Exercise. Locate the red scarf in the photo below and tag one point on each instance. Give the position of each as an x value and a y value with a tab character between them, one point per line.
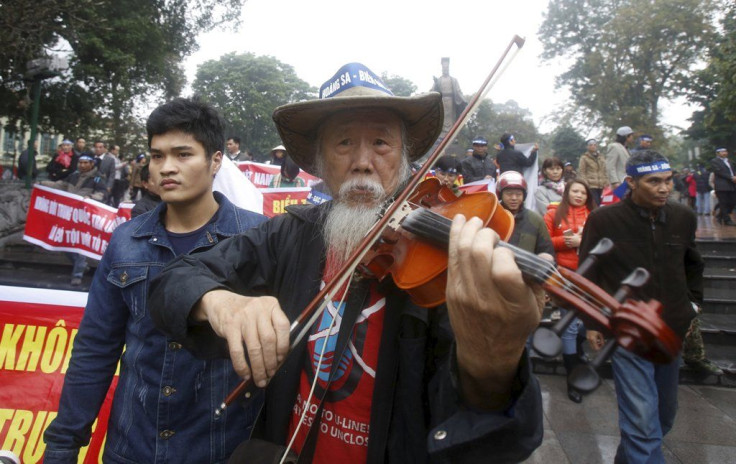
64	159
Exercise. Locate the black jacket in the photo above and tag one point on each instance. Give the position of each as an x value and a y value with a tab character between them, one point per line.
723	180
664	246
415	394
510	159
477	167
147	202
701	181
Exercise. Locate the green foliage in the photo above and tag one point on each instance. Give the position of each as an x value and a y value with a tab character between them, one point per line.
400	86
714	89
246	89
626	55
123	53
492	120
567	144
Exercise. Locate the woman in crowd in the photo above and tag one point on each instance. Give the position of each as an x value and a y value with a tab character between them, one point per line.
551	188
565	223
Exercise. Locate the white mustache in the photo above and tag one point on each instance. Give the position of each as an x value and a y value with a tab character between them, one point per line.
373	188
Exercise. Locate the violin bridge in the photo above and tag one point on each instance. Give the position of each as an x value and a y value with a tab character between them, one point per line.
399	215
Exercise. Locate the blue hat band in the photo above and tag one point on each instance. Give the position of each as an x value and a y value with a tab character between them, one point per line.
644	169
349	76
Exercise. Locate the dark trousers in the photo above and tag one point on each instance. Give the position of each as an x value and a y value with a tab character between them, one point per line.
726	203
597	195
118	191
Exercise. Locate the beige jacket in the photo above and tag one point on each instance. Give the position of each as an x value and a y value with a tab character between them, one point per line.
592	169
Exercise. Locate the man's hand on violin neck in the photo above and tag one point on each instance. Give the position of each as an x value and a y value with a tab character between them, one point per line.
253	324
492	311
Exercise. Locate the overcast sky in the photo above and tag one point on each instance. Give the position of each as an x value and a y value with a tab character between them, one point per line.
405	38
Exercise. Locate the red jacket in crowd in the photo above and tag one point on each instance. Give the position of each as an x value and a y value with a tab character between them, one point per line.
575	220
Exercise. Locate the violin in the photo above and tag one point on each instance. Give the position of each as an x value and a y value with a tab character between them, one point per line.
415	255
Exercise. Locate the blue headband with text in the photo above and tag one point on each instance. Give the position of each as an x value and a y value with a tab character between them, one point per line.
349	76
641	170
650	168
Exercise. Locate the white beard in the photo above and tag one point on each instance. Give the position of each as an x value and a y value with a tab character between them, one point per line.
349	221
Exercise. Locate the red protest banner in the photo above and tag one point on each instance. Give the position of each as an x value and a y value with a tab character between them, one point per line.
262	174
37	333
63	221
275	200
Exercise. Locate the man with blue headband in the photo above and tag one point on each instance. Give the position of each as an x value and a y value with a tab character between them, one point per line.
649	232
376	379
479	165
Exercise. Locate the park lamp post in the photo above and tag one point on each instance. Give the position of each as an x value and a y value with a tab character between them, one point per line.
36	71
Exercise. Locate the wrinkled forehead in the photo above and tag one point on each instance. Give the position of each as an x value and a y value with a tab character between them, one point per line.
374	119
662	176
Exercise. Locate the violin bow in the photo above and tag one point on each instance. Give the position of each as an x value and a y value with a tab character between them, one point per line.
300	326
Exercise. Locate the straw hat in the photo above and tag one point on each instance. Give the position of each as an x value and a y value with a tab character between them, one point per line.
355	86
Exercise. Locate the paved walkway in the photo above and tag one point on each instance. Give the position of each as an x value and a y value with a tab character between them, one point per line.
709	228
587	433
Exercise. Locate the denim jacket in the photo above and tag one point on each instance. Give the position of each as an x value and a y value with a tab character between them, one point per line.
163	408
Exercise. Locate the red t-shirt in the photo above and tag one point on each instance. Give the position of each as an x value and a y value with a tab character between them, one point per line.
345	423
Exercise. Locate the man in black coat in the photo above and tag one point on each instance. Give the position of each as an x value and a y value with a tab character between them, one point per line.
479	165
725	185
105	164
511	159
658	235
393	382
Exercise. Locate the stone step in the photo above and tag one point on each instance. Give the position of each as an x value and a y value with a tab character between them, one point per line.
53	278
718	329
711	247
719	301
720	279
715	262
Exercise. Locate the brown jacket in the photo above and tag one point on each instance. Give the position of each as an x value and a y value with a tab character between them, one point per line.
592	169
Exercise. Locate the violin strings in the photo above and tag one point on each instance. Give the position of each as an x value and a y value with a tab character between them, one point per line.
321	309
428	224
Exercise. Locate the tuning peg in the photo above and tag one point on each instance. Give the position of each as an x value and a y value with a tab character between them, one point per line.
585	376
546	341
637	279
603	247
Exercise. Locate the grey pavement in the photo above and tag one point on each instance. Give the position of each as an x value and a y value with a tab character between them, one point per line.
587	433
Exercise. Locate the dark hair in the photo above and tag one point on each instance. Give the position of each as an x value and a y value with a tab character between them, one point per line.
564	206
100	141
191	116
505	138
234	139
622	139
289	170
447	163
644	157
552	162
145	173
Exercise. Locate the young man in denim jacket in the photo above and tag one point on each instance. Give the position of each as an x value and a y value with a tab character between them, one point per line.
163	406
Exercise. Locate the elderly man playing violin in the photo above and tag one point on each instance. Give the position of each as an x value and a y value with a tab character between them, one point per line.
377	378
